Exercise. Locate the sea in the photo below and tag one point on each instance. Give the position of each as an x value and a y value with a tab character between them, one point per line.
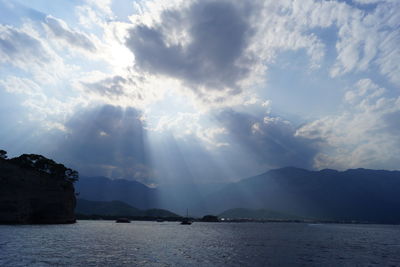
106	243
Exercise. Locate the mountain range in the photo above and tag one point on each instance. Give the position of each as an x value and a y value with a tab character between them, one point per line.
352	195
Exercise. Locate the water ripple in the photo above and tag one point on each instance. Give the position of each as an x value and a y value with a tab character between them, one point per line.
105	243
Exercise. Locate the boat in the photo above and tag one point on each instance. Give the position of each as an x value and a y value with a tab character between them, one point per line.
122	220
186	220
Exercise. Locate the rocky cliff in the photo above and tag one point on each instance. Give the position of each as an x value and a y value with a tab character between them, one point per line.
31	196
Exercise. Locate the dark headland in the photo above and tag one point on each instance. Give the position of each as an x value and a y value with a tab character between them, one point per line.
36	190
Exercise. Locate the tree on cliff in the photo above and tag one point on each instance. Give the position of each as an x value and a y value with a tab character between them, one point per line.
3	154
43	164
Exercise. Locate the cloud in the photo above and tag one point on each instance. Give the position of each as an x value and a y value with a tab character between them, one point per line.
198	67
25	49
36	107
127	89
190	126
116	142
218	49
368	40
271	140
372	1
106	140
22	86
60	30
217	34
94	13
364	134
21	49
114	86
113	141
102	5
34	71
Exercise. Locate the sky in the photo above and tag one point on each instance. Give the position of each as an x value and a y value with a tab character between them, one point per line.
203	91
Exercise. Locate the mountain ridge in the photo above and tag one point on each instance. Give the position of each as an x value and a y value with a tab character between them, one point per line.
355	194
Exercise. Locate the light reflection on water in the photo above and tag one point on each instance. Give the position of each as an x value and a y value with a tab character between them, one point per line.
105	243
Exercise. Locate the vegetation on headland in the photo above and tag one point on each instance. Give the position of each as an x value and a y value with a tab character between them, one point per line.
43	164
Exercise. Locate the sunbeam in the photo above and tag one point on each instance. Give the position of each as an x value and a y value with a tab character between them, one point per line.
199	111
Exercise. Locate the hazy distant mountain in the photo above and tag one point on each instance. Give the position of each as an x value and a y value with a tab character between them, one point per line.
177	198
359	194
112	208
256	214
180	197
117	208
105	189
159	213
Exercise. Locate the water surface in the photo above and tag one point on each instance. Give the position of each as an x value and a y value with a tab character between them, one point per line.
105	243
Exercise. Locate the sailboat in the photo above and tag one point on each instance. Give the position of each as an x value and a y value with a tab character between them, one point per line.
186	220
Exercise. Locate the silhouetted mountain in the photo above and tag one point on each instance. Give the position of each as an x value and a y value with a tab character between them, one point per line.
357	194
117	208
259	214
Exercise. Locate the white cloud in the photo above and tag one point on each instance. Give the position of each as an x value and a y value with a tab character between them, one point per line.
166	45
94	13
21	86
22	49
102	5
58	29
370	39
47	112
364	134
187	126
217	62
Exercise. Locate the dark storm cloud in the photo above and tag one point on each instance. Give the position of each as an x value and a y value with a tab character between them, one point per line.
219	32
61	31
272	140
106	140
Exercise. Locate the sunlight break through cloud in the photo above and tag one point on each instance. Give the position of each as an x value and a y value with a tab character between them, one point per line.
198	91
